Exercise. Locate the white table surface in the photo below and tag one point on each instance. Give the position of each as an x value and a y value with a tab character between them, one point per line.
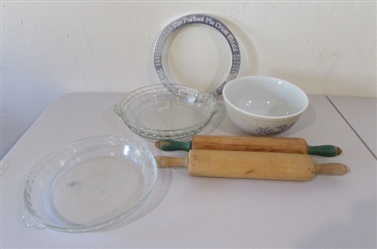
197	212
361	114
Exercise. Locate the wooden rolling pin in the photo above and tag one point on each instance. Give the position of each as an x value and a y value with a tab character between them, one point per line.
254	165
246	143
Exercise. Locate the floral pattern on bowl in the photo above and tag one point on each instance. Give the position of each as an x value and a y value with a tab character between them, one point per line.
267	131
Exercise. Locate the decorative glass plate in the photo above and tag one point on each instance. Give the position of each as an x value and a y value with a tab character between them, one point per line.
158	112
196	19
88	184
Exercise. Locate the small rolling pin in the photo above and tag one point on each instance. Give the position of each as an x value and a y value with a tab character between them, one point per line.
245	143
253	165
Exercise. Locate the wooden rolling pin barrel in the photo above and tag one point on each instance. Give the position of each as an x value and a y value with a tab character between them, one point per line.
247	143
253	165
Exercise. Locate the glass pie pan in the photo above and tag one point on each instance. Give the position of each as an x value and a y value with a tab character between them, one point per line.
169	111
88	184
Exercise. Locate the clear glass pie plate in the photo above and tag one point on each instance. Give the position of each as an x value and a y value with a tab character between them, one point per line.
88	184
169	111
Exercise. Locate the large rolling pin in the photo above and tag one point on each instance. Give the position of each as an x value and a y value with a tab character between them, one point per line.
247	143
254	165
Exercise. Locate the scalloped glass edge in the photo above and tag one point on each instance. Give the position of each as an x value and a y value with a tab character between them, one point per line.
29	215
156	134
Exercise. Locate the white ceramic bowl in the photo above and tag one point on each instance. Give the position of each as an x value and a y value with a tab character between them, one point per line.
262	105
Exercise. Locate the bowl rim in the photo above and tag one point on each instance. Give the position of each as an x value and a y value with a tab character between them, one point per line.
264	117
32	219
166	133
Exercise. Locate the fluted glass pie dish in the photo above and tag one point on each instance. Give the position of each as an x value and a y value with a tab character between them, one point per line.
160	112
88	184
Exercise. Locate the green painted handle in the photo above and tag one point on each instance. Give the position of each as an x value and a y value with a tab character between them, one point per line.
171	145
321	150
324	150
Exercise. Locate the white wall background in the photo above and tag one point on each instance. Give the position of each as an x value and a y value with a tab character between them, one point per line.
50	48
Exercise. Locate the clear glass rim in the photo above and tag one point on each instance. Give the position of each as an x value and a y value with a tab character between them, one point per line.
65	149
171	133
